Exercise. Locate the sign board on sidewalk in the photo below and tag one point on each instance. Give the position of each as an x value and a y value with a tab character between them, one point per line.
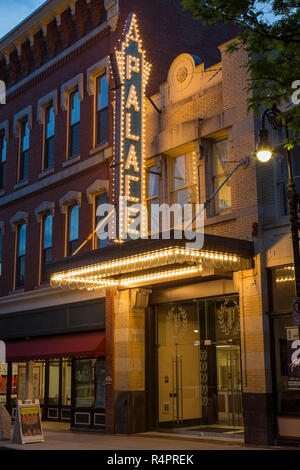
28	425
296	311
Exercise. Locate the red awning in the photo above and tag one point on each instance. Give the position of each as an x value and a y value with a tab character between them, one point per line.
73	345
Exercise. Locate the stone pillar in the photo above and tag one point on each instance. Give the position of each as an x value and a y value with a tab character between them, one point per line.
129	360
255	355
29	381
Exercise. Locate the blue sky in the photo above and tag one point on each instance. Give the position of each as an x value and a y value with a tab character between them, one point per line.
13	12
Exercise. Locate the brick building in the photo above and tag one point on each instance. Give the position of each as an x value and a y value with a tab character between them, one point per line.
193	352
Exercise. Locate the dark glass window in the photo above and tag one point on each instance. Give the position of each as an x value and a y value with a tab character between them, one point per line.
21	253
74	124
73	229
47	244
99	200
102	110
49	137
90	383
24	150
2	159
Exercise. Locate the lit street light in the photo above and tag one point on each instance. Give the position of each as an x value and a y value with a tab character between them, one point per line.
264	154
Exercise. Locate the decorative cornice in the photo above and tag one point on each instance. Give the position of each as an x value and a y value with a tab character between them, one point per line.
43	102
18	218
20	115
44	208
93	71
68	199
52	66
112	8
5	126
66	88
98	187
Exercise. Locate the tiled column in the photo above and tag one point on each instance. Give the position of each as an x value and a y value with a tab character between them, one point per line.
129	360
255	355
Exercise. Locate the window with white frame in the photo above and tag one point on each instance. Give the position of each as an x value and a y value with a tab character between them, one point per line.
183	185
152	197
219	167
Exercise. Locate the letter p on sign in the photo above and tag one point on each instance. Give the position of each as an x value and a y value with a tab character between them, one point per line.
2	353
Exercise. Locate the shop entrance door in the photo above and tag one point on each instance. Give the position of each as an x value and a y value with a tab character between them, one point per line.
230	411
178	366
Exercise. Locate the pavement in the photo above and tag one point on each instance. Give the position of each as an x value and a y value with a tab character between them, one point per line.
58	437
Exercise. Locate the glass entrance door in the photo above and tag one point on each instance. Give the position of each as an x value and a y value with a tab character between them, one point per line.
178	365
199	366
229	385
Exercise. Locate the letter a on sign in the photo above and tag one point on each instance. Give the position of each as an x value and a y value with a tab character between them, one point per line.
130	69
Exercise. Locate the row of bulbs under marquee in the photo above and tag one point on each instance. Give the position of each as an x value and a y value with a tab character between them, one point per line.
102	275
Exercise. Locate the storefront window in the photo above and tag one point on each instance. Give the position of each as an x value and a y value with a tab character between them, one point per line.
90	383
54	382
39	371
100	383
286	341
85	383
18	382
3	383
66	382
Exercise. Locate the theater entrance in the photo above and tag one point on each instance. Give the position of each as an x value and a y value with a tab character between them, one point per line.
199	366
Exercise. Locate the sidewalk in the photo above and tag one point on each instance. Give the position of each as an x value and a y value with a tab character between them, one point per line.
60	438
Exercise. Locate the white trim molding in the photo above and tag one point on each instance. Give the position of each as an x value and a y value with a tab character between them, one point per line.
112	8
68	199
18	218
44	208
68	87
92	72
26	112
42	104
98	187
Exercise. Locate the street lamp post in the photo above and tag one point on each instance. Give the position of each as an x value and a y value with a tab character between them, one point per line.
264	153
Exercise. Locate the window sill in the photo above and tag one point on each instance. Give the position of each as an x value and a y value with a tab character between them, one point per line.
21	184
17	291
217	219
99	148
71	161
45	173
42	285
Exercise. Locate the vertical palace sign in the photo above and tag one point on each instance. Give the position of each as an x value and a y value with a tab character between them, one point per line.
130	72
